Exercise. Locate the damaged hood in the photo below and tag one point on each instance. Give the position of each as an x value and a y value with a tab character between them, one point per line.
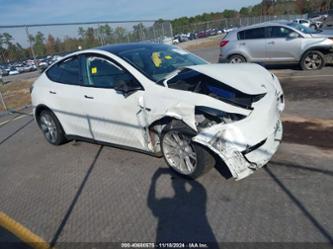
247	78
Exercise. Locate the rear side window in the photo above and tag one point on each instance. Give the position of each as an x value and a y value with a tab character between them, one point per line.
67	71
258	33
278	32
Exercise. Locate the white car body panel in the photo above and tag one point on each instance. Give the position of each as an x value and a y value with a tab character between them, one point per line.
66	103
111	117
226	73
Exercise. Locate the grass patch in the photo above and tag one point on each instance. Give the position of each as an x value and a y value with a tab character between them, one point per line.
16	94
210	42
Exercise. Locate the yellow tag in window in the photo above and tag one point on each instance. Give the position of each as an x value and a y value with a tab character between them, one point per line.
156	59
94	70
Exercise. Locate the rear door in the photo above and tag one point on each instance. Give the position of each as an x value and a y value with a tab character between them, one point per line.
65	96
253	43
280	46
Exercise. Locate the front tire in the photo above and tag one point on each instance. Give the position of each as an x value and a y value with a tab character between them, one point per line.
313	60
51	128
184	156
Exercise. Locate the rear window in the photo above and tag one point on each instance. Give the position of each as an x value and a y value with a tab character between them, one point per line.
67	71
258	33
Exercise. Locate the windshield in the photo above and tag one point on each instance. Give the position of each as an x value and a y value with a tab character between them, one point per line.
302	28
158	61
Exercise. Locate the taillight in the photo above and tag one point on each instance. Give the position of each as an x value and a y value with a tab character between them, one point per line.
223	43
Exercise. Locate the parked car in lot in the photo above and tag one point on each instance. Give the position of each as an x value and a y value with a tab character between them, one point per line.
273	43
315	24
13	71
303	22
164	101
202	34
4	72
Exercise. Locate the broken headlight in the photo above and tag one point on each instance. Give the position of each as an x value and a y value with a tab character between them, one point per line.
207	117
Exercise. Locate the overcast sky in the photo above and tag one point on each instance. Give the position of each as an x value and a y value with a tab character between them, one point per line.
49	11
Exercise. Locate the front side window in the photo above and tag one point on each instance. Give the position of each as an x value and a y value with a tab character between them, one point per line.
258	33
101	72
67	71
279	32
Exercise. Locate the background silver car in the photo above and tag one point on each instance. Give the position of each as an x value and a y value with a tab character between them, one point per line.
276	43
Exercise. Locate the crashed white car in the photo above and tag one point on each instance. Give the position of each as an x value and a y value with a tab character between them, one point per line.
164	101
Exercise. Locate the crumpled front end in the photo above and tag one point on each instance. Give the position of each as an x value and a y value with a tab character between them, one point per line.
250	143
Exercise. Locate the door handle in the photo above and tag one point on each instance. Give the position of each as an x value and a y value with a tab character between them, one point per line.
52	92
243	43
88	97
271	43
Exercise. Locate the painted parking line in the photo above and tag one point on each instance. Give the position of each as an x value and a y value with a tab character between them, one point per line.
14	119
22	232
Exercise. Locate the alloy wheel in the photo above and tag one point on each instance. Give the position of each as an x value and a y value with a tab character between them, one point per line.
236	60
179	152
312	61
48	127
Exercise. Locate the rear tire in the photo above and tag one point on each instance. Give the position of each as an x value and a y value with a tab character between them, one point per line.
185	157
313	60
51	128
236	59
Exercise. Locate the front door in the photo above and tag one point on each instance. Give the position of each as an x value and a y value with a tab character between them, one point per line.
281	47
113	116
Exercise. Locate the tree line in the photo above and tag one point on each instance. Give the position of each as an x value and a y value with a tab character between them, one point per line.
89	37
265	8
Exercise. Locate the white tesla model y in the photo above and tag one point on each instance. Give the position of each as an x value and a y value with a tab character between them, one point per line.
164	101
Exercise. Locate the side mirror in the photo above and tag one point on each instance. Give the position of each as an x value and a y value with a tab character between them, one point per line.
293	35
127	88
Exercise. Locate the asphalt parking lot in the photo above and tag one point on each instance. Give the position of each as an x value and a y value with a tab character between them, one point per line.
82	192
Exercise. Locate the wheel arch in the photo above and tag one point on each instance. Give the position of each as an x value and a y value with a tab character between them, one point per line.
156	128
42	107
239	54
39	109
167	119
323	49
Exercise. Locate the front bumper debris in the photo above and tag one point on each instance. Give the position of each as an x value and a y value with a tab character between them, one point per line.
242	164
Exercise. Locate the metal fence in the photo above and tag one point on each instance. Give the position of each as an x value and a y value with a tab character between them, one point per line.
28	48
228	23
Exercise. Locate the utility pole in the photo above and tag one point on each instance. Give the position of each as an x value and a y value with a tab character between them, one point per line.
328	6
31	47
3	102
